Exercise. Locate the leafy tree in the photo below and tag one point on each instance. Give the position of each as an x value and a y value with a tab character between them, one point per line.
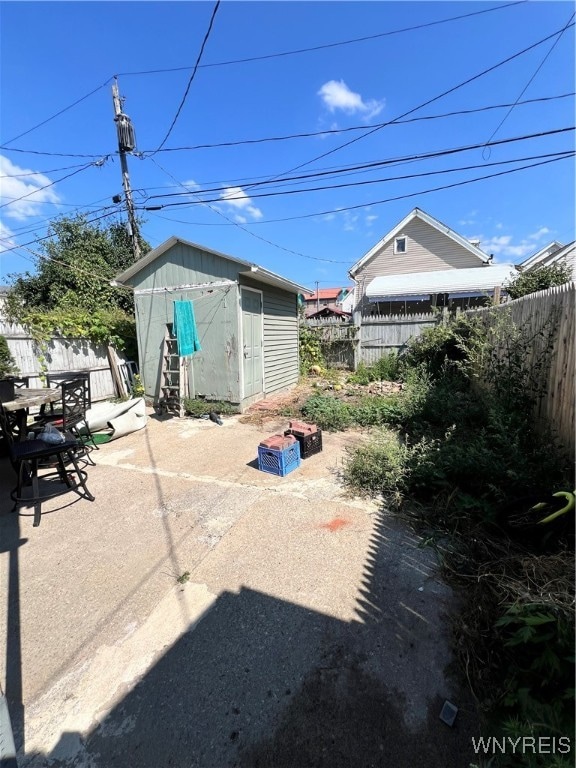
539	279
70	293
74	269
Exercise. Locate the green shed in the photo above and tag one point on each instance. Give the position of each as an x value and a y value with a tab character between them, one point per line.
246	319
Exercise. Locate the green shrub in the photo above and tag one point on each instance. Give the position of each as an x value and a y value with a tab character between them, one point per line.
539	279
378	467
327	412
444	346
388	367
7	364
362	375
309	349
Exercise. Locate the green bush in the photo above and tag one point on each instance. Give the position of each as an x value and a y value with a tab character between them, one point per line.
444	346
539	279
327	412
387	368
7	364
309	349
379	467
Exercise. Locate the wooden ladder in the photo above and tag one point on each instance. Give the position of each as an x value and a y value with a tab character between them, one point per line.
174	387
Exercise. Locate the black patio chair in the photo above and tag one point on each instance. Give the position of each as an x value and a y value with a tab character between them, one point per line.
72	416
21	382
36	461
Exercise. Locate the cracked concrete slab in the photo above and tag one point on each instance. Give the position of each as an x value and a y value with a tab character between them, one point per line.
203	613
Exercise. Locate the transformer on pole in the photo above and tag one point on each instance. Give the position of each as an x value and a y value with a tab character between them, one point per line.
126	144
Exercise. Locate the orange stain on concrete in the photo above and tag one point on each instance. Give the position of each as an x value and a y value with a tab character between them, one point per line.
336	524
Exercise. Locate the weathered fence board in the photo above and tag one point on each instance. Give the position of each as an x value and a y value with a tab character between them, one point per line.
548	317
337	341
62	355
383	333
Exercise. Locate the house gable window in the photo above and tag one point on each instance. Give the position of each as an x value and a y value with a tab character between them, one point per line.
400	245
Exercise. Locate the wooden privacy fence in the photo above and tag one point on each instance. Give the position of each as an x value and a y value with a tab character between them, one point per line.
338	340
380	334
348	344
110	372
547	317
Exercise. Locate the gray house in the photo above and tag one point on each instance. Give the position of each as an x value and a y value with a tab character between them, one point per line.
246	319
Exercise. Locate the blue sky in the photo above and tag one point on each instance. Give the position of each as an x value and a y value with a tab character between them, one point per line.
53	54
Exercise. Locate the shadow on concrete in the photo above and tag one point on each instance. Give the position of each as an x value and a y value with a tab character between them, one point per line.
264	683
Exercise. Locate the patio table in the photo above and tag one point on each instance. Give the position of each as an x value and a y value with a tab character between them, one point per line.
29	398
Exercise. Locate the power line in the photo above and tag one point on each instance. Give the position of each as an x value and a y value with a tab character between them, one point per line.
57	181
380	163
57	114
239	226
206	36
49	154
47	237
29	229
40	173
70	265
565	153
426	103
335	131
539	67
326	45
342	209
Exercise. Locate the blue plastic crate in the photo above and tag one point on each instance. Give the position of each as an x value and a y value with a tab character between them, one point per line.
279	462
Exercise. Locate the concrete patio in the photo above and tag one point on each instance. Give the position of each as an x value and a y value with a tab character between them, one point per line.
203	613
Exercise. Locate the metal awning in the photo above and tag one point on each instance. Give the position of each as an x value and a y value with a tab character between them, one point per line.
477	281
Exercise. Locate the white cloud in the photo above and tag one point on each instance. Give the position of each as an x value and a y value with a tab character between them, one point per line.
16	185
350	221
503	247
191	185
542	232
237	198
336	95
371	218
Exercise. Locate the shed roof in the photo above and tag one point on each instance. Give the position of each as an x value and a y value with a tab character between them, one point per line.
254	271
417	213
475	279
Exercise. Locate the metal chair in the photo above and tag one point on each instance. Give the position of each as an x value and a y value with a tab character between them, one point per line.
72	417
30	457
58	378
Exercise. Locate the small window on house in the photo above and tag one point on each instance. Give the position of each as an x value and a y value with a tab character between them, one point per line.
400	245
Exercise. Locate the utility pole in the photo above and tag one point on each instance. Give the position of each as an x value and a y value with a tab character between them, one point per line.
126	144
317	297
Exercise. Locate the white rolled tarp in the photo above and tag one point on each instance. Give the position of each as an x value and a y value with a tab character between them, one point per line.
118	418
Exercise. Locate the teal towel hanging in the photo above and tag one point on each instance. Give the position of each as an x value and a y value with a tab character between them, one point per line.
185	328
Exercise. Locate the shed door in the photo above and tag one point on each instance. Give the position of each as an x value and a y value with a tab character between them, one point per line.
252	363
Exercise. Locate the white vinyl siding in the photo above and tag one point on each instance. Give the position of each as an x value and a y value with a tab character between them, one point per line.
427	250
